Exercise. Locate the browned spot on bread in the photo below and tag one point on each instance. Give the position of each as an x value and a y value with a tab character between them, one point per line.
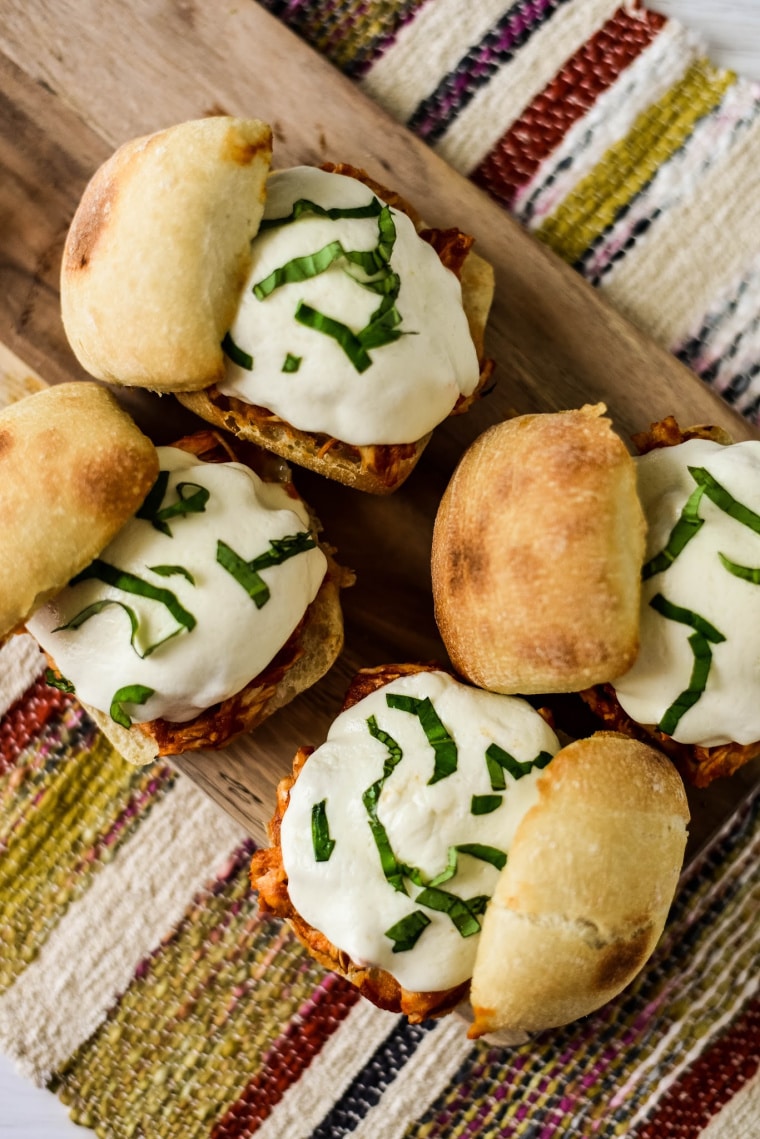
467	565
90	221
622	960
7	441
240	150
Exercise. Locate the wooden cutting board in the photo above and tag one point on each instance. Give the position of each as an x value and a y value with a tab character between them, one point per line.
79	77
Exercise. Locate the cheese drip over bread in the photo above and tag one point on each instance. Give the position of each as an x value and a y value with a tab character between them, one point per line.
348	325
406	813
167	616
697	675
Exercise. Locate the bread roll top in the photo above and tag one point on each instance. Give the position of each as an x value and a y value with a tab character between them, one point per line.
158	252
73	468
537	552
583	899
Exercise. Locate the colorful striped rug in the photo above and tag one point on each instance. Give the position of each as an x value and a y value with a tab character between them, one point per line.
136	978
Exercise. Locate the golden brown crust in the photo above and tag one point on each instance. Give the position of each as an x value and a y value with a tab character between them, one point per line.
73	469
269	878
158	253
537	551
376	468
305	657
699	765
585	893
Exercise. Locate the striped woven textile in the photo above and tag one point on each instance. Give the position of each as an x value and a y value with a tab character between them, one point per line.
136	978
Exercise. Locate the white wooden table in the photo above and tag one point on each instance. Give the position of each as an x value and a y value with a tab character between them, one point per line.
731	29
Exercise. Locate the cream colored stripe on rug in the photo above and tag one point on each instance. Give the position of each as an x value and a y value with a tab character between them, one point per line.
665	293
21	662
420	1082
306	1103
496	105
61	998
426	49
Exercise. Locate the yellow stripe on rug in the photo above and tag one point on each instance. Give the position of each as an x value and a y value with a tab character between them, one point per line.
629	164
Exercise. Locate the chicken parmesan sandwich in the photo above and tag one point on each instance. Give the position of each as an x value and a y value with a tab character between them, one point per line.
442	850
180	592
309	310
638	587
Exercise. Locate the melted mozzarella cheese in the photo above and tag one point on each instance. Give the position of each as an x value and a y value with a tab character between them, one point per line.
231	641
348	897
699	582
412	383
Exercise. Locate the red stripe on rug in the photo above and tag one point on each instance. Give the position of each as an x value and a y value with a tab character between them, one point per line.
289	1057
710	1082
517	155
26	718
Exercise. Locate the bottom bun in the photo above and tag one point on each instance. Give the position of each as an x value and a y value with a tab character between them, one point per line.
583	899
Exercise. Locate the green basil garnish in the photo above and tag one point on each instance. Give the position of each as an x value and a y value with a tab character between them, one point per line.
191	499
348	340
464	914
172	571
498	761
299	269
446	756
129	583
304	206
59	682
292	363
697	684
699	642
406	933
687	526
724	499
129	694
686	617
484	804
320	832
746	573
393	870
247	574
237	354
484	853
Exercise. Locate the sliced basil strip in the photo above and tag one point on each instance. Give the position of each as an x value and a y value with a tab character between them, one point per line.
129	694
746	573
688	525
130	583
686	617
697	684
464	914
498	761
406	933
393	870
292	363
192	503
724	499
59	682
247	574
446	756
237	354
484	804
320	832
299	269
172	571
338	331
304	206
484	853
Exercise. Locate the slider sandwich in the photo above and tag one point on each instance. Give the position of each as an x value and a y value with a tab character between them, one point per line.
309	311
441	850
633	581
180	592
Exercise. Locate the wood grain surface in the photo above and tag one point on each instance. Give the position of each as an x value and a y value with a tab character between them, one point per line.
77	78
